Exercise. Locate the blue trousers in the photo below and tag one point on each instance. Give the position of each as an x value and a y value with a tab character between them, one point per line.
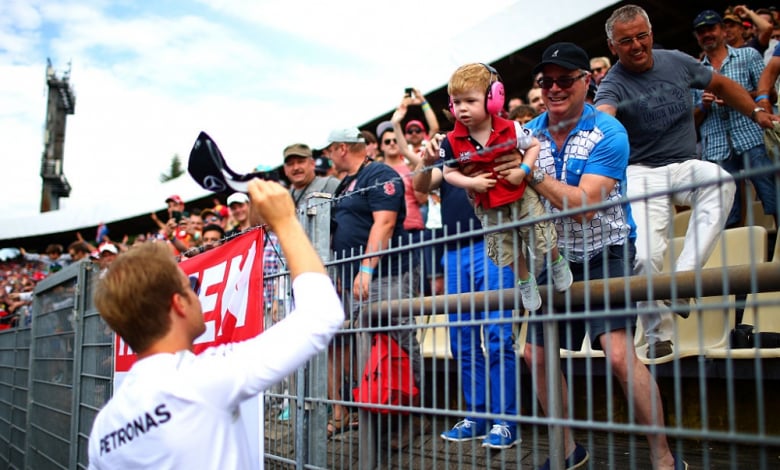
468	269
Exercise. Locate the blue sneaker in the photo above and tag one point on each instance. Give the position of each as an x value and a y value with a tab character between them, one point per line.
465	430
501	436
577	459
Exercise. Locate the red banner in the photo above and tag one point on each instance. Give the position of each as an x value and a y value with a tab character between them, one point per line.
231	294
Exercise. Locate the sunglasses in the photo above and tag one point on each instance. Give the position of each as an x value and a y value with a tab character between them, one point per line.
390	141
597	69
414	130
212	220
195	284
564	82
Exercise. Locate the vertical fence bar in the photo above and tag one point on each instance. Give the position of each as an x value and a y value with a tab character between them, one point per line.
314	415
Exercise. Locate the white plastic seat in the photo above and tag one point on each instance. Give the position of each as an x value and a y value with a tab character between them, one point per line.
762	310
712	317
434	341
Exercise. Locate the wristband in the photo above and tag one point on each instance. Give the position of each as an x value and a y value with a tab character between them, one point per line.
761	97
425	105
366	269
525	168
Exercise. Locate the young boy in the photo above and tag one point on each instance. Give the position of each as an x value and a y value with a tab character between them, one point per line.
476	97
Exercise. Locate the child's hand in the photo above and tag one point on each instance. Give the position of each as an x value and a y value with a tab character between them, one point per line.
514	176
506	163
481	183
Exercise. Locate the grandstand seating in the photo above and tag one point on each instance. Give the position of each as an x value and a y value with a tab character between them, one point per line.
711	318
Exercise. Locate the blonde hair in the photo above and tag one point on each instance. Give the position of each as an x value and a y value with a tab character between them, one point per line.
603	60
135	294
469	77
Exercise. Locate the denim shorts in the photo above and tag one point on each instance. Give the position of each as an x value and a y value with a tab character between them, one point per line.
614	261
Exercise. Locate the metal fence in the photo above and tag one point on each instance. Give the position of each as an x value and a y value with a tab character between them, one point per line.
714	403
56	375
716	391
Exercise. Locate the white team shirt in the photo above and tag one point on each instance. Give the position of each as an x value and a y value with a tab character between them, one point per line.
175	411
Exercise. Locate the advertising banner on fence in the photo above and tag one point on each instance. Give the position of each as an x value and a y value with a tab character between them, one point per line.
231	294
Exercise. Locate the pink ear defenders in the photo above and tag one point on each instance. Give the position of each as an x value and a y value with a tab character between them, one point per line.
494	95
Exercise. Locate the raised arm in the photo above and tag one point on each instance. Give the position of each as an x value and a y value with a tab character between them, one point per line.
763	27
430	116
398	116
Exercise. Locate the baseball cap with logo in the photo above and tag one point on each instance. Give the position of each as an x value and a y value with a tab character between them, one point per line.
175	198
707	18
565	54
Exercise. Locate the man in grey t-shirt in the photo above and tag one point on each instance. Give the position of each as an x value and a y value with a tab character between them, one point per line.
299	167
649	92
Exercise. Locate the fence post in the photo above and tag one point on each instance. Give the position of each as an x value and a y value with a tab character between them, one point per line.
552	363
79	297
312	418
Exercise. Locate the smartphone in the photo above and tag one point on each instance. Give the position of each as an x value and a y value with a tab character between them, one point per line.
409	92
176	215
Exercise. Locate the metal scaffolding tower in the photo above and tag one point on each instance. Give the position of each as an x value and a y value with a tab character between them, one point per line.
61	102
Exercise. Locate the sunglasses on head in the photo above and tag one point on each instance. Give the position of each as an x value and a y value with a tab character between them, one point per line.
414	130
195	284
390	141
563	82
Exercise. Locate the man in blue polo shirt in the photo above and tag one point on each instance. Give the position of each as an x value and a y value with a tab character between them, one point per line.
582	162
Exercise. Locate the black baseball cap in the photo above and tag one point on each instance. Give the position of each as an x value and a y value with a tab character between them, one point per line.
566	54
707	18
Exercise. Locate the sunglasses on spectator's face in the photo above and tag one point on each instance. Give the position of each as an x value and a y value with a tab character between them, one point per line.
597	69
195	284
212	220
564	82
414	130
389	141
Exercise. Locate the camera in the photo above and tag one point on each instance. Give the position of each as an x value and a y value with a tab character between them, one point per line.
409	92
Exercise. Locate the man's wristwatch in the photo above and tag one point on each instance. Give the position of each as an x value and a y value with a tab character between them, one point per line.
756	110
538	176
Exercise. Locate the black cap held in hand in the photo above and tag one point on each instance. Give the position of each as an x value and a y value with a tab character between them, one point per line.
209	169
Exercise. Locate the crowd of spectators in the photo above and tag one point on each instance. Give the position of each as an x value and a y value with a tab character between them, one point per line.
338	167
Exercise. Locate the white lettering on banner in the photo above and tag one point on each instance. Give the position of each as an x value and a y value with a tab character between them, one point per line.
211	277
230	295
234	296
124	349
